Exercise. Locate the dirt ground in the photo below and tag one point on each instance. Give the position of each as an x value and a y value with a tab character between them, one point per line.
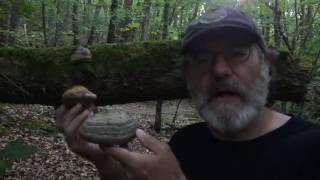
35	125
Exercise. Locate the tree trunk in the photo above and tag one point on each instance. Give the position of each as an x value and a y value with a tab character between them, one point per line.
277	24
308	25
158	119
181	22
165	20
118	73
4	19
112	24
93	24
58	29
44	27
127	33
145	25
165	25
13	21
75	22
66	19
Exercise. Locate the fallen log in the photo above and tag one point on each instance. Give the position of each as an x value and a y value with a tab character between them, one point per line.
118	73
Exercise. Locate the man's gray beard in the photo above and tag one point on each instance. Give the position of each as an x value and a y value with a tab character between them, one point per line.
229	118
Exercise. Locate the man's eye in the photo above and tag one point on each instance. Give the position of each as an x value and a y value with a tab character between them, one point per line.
202	58
239	53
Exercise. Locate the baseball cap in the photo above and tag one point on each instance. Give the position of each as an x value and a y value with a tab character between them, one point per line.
220	19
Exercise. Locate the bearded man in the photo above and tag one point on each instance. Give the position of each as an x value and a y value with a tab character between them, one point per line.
227	70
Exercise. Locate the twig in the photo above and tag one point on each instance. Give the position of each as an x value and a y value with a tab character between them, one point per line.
176	113
15	85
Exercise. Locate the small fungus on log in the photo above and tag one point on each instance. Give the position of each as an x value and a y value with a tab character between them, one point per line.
81	54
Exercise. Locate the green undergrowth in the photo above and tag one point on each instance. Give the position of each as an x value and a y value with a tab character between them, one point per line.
41	128
38	127
14	151
3	130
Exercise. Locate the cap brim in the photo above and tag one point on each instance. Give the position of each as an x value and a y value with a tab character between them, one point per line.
223	31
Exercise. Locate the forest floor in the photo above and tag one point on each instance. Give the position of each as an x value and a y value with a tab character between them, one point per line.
53	160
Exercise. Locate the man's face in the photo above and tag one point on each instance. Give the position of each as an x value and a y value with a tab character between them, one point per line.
228	82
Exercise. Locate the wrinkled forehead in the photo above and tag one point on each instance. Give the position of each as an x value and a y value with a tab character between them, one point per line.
226	38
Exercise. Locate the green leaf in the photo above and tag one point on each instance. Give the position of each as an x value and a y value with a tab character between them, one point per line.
3	131
17	150
4	166
134	25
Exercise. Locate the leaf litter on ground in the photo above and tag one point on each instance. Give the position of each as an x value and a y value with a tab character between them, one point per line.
51	158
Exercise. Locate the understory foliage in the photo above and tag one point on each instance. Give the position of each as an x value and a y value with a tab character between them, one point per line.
14	151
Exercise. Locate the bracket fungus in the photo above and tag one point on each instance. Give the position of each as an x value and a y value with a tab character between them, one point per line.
78	94
81	54
109	128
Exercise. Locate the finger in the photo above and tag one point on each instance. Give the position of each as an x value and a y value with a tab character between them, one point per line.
72	113
127	158
105	147
58	115
94	108
150	142
75	124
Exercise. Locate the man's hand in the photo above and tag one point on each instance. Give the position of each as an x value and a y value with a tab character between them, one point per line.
70	121
160	165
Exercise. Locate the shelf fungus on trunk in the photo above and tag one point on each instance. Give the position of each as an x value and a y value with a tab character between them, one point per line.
78	94
109	128
81	54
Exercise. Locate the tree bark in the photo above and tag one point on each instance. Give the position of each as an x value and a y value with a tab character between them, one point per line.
277	23
58	29
44	26
158	118
75	22
145	25
165	26
13	21
112	24
165	20
93	23
127	33
4	19
67	13
118	73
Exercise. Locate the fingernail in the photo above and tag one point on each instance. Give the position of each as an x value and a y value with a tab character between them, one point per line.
91	114
140	132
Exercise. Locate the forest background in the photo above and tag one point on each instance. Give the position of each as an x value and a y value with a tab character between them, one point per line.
291	26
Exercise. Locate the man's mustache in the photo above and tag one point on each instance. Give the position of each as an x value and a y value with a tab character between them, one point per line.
227	85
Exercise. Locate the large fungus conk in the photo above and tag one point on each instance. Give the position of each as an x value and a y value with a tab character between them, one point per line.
109	128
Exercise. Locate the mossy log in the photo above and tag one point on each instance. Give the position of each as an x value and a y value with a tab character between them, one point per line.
118	73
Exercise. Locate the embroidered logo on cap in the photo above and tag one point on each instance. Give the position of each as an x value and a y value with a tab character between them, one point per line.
213	17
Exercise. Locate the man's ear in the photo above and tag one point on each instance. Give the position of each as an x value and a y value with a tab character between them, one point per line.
271	56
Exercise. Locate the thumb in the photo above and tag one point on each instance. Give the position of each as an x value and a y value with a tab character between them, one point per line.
149	141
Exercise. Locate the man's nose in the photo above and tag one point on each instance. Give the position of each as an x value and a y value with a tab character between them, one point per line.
220	67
